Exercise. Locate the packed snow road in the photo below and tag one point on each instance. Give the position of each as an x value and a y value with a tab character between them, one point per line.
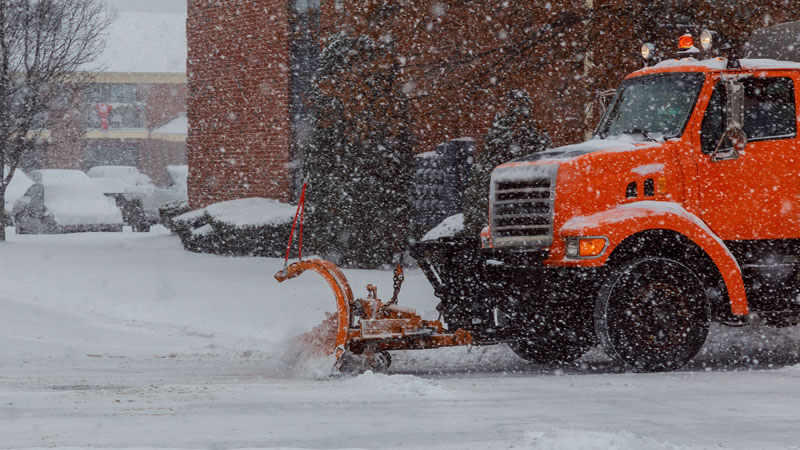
124	340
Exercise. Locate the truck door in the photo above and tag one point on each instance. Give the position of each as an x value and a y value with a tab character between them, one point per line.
757	195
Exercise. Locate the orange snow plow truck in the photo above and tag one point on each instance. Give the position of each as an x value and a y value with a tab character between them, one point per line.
682	210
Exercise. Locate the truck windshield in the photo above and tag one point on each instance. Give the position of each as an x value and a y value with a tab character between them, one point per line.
653	106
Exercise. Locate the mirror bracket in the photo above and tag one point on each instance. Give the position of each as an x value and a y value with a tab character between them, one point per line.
734	91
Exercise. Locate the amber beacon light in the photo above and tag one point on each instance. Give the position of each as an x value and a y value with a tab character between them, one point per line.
685	42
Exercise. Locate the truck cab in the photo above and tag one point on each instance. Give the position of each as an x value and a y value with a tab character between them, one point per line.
684	208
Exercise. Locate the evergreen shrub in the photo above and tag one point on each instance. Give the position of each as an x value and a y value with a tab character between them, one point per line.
513	134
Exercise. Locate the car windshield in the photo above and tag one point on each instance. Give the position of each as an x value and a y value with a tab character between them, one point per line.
652	106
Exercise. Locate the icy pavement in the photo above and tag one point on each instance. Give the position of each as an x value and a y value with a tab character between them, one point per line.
124	340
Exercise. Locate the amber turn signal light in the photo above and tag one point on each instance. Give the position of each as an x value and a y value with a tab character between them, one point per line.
685	42
591	247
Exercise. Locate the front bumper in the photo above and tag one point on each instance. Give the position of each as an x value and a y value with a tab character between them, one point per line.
493	292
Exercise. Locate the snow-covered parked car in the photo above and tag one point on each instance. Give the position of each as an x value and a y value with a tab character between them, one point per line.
135	193
65	201
133	212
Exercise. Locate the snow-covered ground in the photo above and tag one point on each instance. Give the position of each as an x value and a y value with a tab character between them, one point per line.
124	340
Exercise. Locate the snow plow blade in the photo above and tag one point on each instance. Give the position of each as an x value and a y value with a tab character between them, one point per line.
369	326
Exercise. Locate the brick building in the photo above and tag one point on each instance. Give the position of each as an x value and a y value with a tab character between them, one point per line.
133	109
249	60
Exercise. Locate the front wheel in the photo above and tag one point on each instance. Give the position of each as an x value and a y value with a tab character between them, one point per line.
652	314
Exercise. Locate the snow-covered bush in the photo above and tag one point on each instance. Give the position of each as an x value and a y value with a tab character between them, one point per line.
359	163
244	227
513	134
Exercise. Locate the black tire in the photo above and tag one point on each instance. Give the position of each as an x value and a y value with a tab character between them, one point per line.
652	314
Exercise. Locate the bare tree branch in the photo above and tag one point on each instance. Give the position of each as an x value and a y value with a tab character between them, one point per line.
43	45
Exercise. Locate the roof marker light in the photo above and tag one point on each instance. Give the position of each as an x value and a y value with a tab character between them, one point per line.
685	42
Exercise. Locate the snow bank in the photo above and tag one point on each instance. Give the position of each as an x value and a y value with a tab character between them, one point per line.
563	439
16	189
447	228
73	199
252	212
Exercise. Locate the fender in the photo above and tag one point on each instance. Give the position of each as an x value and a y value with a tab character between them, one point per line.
623	221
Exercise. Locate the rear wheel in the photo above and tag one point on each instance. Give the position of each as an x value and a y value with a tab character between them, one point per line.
652	315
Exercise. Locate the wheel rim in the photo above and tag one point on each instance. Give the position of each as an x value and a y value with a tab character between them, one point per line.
662	317
654	315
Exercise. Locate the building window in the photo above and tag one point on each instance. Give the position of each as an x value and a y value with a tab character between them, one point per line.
113	106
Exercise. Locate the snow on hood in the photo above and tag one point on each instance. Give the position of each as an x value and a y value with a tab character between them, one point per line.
16	189
74	199
447	228
252	212
567	152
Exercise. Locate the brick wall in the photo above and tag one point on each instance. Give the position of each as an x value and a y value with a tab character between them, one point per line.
455	94
164	102
457	79
238	106
155	155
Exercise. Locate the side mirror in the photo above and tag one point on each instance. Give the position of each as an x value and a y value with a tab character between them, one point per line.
734	93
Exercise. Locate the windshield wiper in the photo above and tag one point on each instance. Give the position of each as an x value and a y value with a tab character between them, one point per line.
642	131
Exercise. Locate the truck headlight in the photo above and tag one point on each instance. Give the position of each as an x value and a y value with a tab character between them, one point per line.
647	51
585	247
572	247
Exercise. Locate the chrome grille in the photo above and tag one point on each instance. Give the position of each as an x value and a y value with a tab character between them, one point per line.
522	206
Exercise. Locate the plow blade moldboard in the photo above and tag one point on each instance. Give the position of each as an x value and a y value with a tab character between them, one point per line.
368	326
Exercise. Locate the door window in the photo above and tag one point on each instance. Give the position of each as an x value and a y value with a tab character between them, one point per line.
769	112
